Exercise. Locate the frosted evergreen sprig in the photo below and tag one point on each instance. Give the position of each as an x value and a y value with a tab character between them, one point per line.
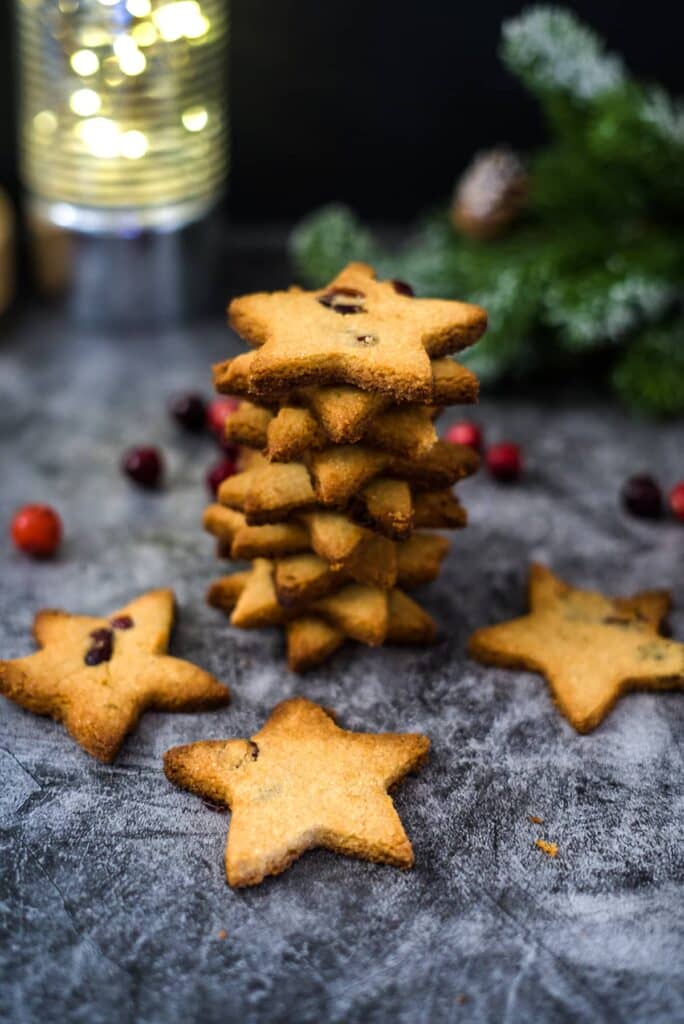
554	52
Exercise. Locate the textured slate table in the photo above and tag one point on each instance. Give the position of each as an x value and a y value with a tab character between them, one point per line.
112	888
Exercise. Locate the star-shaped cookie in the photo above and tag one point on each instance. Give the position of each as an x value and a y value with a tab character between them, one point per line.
591	648
302	782
358	331
97	675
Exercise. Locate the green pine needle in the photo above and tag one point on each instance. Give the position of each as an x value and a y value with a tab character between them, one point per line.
597	262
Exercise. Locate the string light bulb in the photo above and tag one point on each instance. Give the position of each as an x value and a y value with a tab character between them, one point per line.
123	106
85	63
85	102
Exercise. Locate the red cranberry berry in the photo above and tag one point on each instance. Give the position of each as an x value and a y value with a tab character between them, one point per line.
677	501
189	411
642	496
122	622
102	647
144	466
36	530
504	461
219	472
218	413
466	432
402	288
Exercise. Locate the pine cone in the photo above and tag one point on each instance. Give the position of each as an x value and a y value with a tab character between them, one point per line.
490	194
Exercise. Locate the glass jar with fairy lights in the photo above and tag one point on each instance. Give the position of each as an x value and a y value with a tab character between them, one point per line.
123	112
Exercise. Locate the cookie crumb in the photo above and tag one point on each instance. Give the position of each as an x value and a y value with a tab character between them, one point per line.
223	934
551	849
535	819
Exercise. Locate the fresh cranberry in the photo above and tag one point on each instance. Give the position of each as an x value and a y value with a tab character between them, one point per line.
189	411
466	432
218	413
36	530
403	288
504	461
677	501
144	466
219	472
642	496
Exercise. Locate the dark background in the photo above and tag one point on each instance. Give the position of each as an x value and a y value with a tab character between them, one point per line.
377	102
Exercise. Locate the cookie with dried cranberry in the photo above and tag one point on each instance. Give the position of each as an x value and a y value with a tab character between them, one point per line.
98	675
357	331
591	648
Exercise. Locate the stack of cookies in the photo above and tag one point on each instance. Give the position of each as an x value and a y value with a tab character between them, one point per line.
342	474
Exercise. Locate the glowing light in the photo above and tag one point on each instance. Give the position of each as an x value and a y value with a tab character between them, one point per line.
93	36
109	3
144	34
131	60
197	27
139	8
180	18
45	122
133	144
112	72
85	102
195	119
85	63
134	64
101	136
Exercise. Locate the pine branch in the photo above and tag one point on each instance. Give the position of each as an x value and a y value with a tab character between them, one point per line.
650	375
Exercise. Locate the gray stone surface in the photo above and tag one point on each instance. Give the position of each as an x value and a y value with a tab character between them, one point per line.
112	887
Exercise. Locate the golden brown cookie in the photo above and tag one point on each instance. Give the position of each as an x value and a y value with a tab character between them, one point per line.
302	782
292	433
591	648
97	675
249	425
363	555
387	506
311	641
419	558
269	492
356	331
438	510
289	434
302	578
408	623
358	609
345	412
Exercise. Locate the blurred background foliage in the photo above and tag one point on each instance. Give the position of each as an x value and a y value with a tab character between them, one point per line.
578	255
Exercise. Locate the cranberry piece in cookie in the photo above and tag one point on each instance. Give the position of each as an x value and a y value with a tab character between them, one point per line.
343	300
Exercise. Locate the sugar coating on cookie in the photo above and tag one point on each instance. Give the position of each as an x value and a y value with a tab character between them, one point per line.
302	782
